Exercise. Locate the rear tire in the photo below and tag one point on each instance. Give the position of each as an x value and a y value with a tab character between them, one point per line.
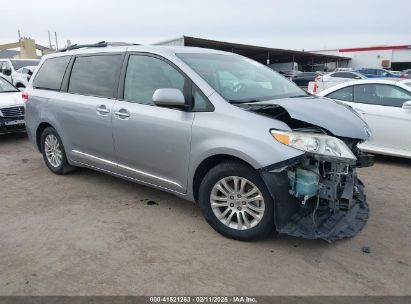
53	152
236	202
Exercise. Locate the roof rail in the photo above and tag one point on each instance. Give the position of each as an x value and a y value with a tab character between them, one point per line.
94	45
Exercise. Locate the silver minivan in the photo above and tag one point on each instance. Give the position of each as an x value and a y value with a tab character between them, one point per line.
250	147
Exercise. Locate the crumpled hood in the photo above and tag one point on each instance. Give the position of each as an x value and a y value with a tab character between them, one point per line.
331	115
11	99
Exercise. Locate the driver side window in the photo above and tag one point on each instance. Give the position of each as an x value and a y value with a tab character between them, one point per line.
146	74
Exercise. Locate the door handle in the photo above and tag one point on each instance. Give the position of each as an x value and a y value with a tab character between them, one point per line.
122	114
102	110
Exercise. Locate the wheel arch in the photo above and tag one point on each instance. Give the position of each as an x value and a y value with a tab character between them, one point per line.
206	165
42	126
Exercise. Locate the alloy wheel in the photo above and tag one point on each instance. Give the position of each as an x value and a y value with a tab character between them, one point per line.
53	151
237	203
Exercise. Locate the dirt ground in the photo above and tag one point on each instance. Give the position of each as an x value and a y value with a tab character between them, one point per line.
92	234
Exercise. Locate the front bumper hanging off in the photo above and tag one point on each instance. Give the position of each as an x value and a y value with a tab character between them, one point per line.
293	219
330	226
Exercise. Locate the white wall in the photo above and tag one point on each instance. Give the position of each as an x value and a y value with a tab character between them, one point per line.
371	59
401	55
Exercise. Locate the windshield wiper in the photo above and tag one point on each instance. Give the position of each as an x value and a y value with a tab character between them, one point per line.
240	101
297	96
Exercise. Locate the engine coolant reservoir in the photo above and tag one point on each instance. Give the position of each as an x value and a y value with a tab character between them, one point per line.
303	183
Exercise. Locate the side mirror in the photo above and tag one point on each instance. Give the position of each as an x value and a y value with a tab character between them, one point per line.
7	72
169	98
407	105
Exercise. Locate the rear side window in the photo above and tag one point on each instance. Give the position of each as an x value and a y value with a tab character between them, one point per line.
95	75
51	73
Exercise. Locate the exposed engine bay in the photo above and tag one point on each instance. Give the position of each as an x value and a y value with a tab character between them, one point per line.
315	195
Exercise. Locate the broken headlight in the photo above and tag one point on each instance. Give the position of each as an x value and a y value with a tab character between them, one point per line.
317	144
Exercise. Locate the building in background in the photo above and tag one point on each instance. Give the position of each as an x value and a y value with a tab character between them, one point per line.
397	57
304	61
27	49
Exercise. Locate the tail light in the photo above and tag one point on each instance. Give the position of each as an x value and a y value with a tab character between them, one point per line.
25	96
402	76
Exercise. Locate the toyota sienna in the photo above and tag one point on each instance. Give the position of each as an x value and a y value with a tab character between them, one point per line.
250	147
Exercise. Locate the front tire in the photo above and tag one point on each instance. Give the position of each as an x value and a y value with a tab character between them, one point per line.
53	152
236	202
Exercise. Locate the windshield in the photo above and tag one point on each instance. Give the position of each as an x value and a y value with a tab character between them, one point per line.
238	79
6	86
17	64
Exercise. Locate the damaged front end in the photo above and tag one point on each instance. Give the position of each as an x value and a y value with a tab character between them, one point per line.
318	195
318	198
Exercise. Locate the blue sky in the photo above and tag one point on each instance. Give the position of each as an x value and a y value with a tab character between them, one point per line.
294	24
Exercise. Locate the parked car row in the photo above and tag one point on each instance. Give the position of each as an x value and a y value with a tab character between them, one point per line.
340	75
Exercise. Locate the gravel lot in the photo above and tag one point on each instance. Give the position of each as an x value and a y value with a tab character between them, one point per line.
92	234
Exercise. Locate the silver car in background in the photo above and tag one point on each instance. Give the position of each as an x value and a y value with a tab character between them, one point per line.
254	150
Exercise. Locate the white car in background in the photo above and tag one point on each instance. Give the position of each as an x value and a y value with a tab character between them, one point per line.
22	76
9	69
329	80
11	108
385	104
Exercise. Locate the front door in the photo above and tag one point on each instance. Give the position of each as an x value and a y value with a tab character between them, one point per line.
152	143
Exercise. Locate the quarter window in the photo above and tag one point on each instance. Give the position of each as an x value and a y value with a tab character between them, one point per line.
51	73
146	74
381	94
345	94
95	75
200	102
